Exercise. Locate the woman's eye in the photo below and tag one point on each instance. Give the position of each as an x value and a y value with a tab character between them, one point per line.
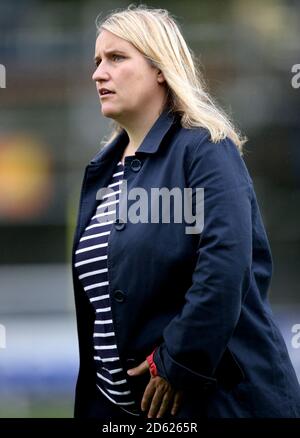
117	56
114	57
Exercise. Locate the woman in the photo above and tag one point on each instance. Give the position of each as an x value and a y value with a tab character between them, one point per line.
173	319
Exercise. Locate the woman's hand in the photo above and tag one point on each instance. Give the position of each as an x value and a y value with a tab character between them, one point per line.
159	394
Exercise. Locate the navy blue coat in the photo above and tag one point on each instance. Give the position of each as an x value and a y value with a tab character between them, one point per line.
200	298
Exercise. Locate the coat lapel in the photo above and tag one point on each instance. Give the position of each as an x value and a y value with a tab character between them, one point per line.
97	175
98	172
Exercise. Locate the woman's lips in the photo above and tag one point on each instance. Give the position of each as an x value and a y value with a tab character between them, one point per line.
105	94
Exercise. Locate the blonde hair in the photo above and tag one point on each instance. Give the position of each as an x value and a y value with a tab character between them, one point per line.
155	33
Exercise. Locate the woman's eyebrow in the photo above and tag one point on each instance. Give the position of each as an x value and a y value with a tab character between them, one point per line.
107	52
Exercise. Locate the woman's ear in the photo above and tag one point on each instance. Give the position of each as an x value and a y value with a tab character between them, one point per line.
160	77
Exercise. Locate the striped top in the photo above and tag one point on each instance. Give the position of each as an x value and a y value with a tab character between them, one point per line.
91	266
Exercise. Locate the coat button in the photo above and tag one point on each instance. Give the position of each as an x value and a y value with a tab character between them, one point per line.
136	165
119	296
119	224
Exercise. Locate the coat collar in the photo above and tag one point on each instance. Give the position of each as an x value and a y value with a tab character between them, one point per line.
149	145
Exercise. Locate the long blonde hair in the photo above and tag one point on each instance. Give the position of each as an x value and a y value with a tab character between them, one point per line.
155	33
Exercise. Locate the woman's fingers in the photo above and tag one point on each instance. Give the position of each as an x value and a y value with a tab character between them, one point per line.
177	402
165	403
140	369
147	397
159	397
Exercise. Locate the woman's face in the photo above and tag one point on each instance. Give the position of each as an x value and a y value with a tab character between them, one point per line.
122	69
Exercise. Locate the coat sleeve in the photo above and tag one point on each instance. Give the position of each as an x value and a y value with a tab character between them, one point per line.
196	338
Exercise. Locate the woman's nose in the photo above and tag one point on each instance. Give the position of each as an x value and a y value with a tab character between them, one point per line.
100	74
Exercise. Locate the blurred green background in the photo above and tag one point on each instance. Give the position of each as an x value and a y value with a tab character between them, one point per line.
50	127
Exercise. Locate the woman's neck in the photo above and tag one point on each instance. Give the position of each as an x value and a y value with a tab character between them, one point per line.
139	127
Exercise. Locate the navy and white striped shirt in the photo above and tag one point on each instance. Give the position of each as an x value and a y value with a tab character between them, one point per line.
91	266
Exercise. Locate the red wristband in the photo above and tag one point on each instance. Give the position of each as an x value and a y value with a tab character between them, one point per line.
152	366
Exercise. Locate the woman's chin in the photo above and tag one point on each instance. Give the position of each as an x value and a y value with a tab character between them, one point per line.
108	112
